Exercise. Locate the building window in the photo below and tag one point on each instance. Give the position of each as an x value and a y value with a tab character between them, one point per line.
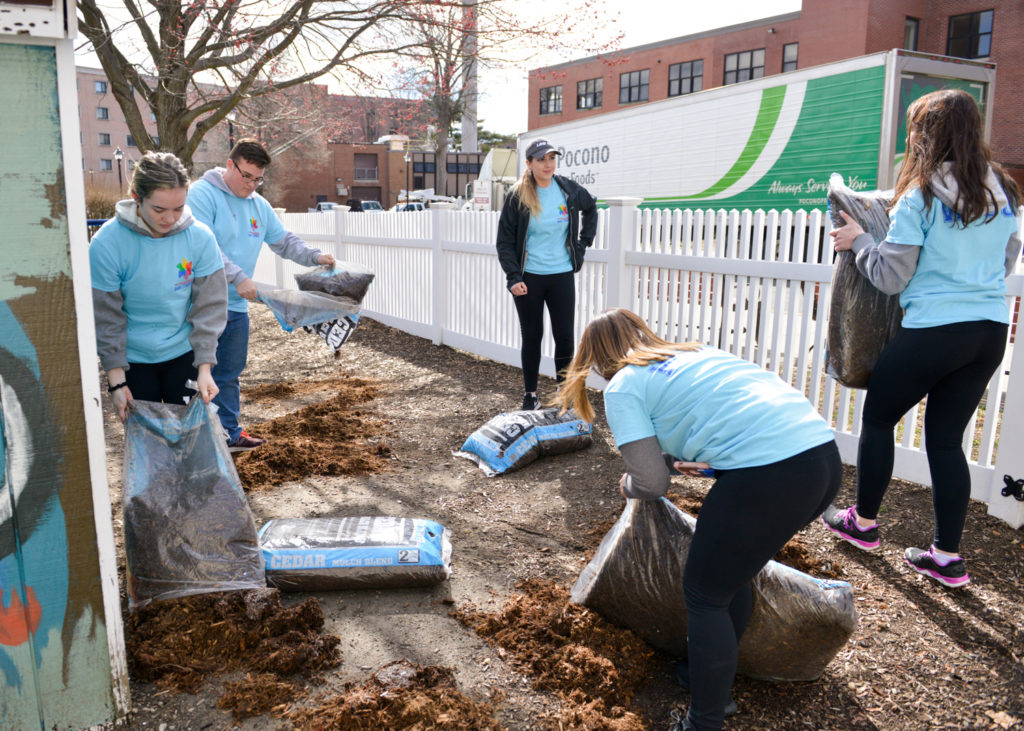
970	35
104	139
106	164
789	52
551	100
589	93
685	78
911	28
423	167
129	165
152	117
634	86
129	141
100	86
156	142
102	113
744	66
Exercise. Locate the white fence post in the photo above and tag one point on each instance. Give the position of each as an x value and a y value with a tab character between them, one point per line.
1010	459
438	229
340	217
621	226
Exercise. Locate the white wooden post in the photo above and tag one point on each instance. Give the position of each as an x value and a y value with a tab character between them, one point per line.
1010	459
439	220
621	232
340	219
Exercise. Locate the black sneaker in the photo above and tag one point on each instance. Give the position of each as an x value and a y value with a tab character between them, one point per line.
531	402
844	524
245	442
682	672
953	574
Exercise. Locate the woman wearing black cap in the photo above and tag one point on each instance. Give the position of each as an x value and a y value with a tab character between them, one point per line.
540	247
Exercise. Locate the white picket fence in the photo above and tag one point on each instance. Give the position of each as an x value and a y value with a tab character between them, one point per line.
757	284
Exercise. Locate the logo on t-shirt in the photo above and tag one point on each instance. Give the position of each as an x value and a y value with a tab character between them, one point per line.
184	274
563	213
254	228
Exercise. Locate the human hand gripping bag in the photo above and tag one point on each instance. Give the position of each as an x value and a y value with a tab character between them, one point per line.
862	319
188	527
635	580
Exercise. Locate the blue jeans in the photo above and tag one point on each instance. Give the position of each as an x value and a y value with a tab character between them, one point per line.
232	351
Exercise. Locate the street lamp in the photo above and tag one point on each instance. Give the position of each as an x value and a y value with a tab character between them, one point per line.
118	155
408	159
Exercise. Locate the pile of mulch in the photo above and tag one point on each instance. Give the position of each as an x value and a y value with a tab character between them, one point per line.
401	695
258	694
178	643
329	438
594	667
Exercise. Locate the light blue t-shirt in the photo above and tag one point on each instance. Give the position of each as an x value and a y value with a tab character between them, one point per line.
154	276
241	226
546	251
710	406
961	275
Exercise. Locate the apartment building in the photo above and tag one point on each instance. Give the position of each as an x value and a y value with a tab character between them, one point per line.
822	31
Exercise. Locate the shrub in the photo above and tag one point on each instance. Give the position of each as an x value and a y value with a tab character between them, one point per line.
100	201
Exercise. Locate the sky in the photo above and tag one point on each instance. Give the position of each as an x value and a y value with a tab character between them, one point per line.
503	94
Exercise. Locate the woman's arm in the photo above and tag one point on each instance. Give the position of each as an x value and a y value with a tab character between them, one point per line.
588	207
207	314
647	476
888	266
508	235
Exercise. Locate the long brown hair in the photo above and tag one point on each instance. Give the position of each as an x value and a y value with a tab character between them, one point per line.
945	126
614	339
526	189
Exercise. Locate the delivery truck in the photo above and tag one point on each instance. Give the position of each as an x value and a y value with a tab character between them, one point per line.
769	143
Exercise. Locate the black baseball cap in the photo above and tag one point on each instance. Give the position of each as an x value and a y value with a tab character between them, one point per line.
540	148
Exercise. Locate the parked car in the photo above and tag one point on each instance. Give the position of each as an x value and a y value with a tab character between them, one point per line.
323	207
410	206
356	206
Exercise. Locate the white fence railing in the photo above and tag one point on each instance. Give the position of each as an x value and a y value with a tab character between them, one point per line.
757	284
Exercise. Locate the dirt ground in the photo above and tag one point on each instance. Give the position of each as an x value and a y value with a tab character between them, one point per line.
498	646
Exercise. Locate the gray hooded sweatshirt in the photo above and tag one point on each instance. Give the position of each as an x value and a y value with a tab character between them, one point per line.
207	311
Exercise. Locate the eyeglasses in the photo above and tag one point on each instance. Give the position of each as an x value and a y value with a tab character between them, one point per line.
249	176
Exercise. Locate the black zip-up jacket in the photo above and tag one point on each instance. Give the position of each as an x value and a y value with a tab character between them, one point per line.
515	220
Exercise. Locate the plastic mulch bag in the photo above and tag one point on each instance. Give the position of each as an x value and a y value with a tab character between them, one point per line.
635	580
333	319
346	280
862	319
323	554
188	528
293	308
514	439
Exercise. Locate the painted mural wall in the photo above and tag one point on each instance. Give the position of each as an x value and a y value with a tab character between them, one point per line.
55	667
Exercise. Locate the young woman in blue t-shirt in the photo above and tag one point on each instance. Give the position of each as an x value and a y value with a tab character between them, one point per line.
952	242
774	458
159	292
540	247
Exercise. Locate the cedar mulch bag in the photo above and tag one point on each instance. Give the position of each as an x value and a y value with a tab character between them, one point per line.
514	439
188	528
635	580
862	319
346	280
369	552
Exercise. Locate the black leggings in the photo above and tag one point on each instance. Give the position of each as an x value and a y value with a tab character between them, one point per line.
951	364
747	516
162	381
558	292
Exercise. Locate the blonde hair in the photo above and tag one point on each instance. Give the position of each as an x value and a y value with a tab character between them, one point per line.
613	340
157	171
526	189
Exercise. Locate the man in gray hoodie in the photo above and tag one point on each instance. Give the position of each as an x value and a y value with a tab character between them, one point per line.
225	199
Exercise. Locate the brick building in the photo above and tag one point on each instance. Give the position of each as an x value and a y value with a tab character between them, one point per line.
821	32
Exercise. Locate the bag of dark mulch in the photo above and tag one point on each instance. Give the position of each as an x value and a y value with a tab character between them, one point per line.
346	280
635	580
332	319
862	319
187	525
514	439
325	554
